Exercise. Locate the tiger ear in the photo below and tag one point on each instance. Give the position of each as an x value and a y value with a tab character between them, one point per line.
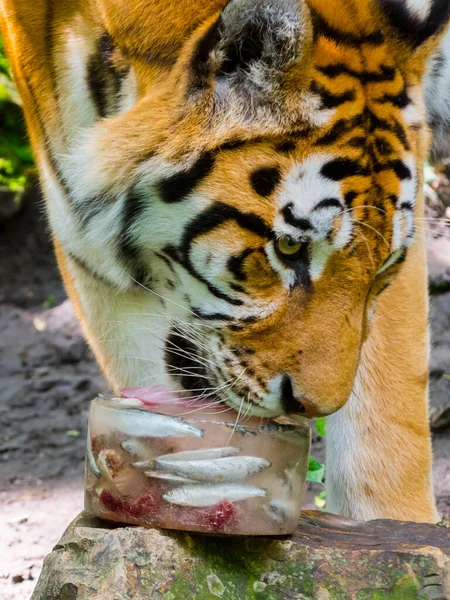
417	21
253	45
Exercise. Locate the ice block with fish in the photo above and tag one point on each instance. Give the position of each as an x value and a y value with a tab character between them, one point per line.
157	459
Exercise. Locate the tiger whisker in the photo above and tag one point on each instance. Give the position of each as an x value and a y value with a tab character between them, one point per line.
161	296
375	230
360	233
236	422
158	362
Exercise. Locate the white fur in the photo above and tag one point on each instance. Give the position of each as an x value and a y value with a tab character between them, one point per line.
437	98
77	108
403	220
437	88
420	8
305	188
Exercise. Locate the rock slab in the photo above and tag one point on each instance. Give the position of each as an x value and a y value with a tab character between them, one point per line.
328	558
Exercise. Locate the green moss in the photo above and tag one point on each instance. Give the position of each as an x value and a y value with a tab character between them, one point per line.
236	569
407	588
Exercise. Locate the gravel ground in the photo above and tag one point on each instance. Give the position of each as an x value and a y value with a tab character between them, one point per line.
48	377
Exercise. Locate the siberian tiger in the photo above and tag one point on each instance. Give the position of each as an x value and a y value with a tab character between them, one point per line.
232	189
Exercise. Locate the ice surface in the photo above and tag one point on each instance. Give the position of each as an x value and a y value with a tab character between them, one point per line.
230	479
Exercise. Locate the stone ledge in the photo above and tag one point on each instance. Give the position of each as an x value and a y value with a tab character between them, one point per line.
329	558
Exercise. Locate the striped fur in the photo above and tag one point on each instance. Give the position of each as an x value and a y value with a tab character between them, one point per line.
177	155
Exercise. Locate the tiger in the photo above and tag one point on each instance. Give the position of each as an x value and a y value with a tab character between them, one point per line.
234	190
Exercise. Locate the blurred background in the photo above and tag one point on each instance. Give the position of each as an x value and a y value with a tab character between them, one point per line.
48	375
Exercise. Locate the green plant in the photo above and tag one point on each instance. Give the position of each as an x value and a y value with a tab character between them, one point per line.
16	159
316	470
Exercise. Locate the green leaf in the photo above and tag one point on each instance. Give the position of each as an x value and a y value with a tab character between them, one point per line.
16	160
320	502
321	426
430	174
73	433
315	470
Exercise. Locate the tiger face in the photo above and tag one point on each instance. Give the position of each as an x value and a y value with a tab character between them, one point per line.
251	197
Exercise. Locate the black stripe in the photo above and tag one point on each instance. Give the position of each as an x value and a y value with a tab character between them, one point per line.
339	129
103	79
209	219
400	100
330	99
217	214
340	168
98	83
415	30
288	215
358	141
286	147
383	147
329	203
232	145
166	260
237	288
374	122
82	265
128	250
106	47
400	169
235	264
199	314
200	62
265	180
177	187
95	84
182	359
350	196
385	74
398	166
342	37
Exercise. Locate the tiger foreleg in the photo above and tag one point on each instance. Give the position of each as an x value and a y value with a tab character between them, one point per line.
378	446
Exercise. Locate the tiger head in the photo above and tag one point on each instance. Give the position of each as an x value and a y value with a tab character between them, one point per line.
257	188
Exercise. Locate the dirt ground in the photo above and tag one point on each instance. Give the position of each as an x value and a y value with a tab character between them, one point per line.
48	376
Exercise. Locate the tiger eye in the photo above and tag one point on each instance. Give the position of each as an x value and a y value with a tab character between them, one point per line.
287	246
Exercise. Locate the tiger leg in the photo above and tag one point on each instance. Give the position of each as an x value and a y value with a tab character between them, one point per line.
378	446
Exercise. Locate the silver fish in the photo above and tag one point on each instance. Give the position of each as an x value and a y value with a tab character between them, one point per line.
116	473
231	468
136	448
90	455
281	511
168	477
208	495
144	423
201	454
288	489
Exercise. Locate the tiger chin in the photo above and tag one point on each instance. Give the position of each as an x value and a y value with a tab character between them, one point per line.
233	196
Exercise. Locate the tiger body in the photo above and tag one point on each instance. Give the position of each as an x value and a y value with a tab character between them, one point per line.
233	191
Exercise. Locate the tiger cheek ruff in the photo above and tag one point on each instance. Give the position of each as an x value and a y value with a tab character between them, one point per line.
232	192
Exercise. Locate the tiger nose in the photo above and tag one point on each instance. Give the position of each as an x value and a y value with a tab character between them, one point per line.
297	404
289	402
